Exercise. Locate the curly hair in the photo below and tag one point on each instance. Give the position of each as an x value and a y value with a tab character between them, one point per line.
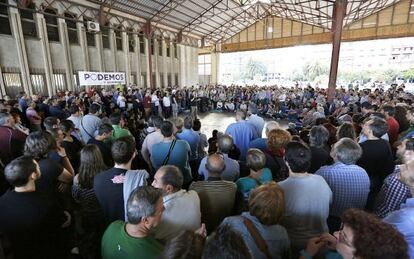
277	139
373	238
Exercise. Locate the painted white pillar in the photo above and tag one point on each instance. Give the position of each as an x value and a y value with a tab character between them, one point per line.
137	59
63	36
17	32
84	45
215	67
164	64
182	73
47	61
125	46
2	86
156	64
99	48
148	77
172	64
113	47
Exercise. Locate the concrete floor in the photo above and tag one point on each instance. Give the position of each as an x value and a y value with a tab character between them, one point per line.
220	121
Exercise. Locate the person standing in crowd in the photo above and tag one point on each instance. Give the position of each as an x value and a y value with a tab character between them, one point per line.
90	219
362	235
266	208
182	208
166	102
202	144
71	144
54	175
11	139
393	192
261	143
305	216
89	123
242	133
32	220
34	118
171	151
258	175
257	122
118	123
147	104
377	157
318	142
104	133
108	185
277	140
193	139
76	117
151	139
349	183
232	169
393	126
217	196
132	239
402	219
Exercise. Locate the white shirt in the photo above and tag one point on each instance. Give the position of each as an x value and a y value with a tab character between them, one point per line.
155	100
121	101
149	141
166	101
182	212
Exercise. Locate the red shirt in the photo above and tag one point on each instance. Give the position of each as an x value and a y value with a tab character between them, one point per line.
147	102
393	129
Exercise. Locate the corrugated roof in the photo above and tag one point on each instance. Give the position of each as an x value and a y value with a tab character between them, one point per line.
218	20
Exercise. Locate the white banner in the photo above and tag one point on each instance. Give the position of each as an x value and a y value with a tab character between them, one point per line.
101	78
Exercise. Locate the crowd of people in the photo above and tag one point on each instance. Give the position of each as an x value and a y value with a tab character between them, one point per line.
129	173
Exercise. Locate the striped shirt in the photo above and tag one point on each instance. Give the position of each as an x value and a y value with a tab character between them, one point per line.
217	198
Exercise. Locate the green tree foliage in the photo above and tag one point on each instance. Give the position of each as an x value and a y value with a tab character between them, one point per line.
409	74
254	68
313	69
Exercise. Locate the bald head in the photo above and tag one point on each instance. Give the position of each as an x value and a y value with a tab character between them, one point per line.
225	143
215	164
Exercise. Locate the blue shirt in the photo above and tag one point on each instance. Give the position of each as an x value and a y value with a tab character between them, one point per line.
231	172
258	123
349	184
403	220
178	157
275	236
246	184
259	143
192	139
242	133
392	194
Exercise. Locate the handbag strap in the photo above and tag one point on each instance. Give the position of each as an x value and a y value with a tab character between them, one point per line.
169	152
258	239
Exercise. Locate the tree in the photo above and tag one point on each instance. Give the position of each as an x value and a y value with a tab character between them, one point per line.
409	74
314	69
254	68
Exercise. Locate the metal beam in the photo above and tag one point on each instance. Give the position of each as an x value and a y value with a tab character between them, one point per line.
339	14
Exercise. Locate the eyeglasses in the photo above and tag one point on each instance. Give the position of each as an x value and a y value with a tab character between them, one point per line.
342	238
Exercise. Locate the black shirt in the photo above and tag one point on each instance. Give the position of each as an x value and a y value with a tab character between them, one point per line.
105	150
32	221
73	152
377	160
108	187
320	157
50	171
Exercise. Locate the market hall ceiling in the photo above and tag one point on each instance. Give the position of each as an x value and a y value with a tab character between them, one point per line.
218	20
